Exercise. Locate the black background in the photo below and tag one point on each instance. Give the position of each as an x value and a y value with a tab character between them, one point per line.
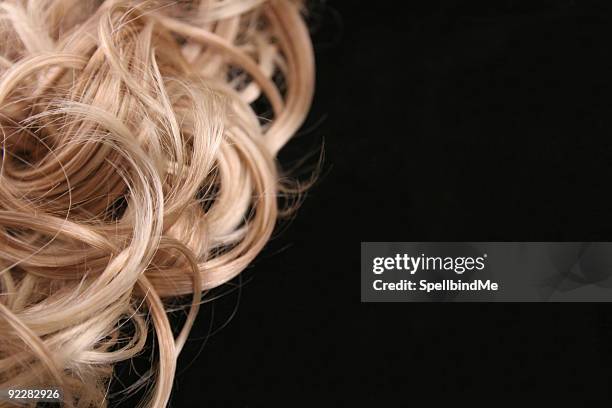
440	120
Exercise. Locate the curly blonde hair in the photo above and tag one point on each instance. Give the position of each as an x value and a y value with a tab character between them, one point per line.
138	143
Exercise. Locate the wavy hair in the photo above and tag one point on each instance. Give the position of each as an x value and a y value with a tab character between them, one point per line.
138	143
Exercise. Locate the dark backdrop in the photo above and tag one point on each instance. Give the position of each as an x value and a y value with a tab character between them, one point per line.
448	120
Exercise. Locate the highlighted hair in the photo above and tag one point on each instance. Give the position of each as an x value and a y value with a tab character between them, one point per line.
134	167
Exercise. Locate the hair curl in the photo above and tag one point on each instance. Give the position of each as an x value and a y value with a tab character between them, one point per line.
138	144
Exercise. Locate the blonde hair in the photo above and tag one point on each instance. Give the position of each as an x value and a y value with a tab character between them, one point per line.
135	167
